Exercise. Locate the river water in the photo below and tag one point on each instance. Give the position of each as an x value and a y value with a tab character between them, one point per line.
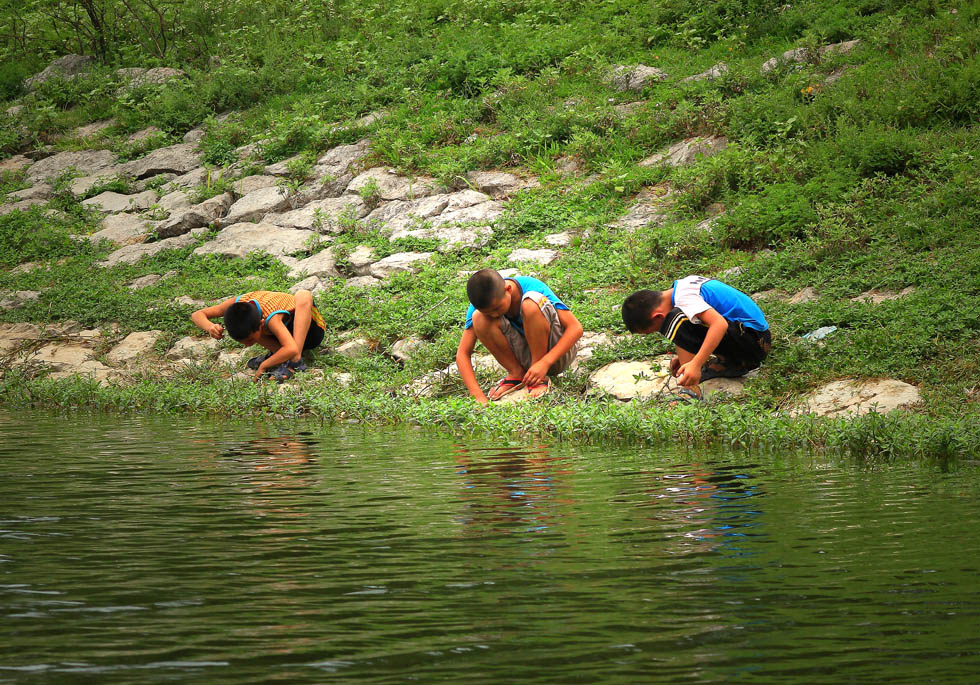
148	550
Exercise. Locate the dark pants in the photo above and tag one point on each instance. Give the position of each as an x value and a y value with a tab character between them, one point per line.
314	336
741	348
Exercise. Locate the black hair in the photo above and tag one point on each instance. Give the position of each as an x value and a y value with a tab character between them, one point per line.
638	308
242	319
484	288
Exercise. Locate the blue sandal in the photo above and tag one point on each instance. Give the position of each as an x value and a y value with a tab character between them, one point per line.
287	370
255	362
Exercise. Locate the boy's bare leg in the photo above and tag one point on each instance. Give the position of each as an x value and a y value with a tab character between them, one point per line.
537	331
488	332
682	358
301	320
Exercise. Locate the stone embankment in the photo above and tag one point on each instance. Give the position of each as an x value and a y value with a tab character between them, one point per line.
171	208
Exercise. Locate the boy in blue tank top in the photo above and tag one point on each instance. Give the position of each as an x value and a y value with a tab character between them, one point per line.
702	316
523	324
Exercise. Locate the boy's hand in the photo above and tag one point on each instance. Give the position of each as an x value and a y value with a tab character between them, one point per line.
216	331
482	401
675	364
536	374
689	374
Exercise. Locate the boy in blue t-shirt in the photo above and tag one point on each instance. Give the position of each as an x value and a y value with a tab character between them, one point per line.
702	316
526	328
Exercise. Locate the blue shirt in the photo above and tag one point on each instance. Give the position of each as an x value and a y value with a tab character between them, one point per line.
528	285
695	294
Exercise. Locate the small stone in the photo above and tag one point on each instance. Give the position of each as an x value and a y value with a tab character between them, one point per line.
193	348
133	345
542	257
14	335
145	134
130	254
144	282
355	349
362	282
402	262
63	356
190	302
711	74
687	151
403	350
563	239
635	77
322	265
361	258
66	67
808	294
41	191
878	296
194	136
311	283
250	184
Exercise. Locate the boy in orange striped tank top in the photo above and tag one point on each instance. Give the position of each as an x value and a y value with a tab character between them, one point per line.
284	324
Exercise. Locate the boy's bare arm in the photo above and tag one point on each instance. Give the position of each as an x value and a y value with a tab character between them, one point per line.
689	374
572	332
287	346
464	363
202	318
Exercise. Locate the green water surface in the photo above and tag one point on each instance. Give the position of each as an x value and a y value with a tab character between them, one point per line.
146	550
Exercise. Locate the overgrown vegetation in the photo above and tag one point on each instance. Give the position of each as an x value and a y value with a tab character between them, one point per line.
846	172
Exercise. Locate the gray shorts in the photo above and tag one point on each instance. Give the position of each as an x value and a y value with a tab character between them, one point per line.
518	343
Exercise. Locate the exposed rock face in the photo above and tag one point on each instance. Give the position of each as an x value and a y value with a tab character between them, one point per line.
250	184
629	379
335	170
635	77
88	162
116	202
563	239
853	397
15	299
190	347
138	76
405	349
21	206
190	302
81	185
878	296
361	258
123	229
131	254
243	239
325	216
198	216
94	128
452	238
176	159
144	281
543	257
256	204
311	283
63	356
649	210
711	74
391	186
133	345
687	151
195	135
67	67
322	265
14	335
173	201
403	261
144	134
281	168
15	163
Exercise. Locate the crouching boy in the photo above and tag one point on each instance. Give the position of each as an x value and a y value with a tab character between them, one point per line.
284	324
526	328
702	316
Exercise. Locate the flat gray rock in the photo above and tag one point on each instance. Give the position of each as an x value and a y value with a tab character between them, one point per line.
799	55
81	185
194	136
136	77
451	238
717	71
15	163
196	216
173	201
144	281
41	191
499	184
311	283
94	128
403	261
15	299
86	162
281	168
362	282
64	355
21	206
687	151
355	349
111	202
563	239
243	239
66	67
194	347
322	265
256	205
144	134
857	397
324	216
200	176
808	294
875	296
340	158
131	254
123	229
133	346
175	159
249	184
361	258
405	349
634	77
391	186
14	335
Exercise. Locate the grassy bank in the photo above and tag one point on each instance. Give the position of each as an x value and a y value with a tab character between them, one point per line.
864	181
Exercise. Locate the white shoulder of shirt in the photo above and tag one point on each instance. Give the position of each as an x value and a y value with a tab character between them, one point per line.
687	296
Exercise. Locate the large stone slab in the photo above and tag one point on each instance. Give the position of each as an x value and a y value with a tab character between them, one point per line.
41	191
249	184
15	299
14	335
136	77
63	355
196	216
857	397
21	206
634	77
173	201
391	186
131	254
175	159
543	257
451	238
687	151
403	261
86	162
324	216
123	229
342	157
111	202
132	346
256	205
322	265
15	163
361	258
627	380
243	239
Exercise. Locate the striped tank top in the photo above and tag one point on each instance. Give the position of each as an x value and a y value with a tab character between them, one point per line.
271	303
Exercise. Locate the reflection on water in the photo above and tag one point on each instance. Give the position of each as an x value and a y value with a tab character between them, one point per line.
143	550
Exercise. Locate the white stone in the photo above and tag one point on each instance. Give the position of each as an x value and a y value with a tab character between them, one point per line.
711	74
13	335
542	257
563	239
322	265
498	184
256	204
355	349
857	397
324	216
311	283
362	282
131	254
243	239
634	77
250	184
116	202
144	282
361	258
41	191
403	261
403	350
175	200
391	186
190	302
193	348
132	346
629	379
87	162
176	159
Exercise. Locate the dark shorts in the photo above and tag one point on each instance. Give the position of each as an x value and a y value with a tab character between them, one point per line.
742	347
314	336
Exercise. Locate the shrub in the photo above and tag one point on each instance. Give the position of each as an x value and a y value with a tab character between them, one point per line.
876	149
779	213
